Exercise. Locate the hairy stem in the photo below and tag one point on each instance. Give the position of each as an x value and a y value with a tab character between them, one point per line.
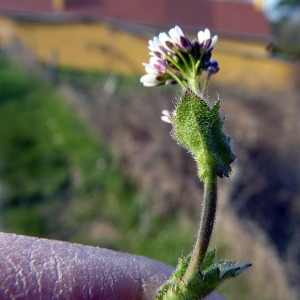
205	85
206	226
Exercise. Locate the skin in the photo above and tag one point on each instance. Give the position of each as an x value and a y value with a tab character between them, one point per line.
32	268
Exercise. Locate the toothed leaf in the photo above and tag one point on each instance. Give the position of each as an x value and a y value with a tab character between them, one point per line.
207	279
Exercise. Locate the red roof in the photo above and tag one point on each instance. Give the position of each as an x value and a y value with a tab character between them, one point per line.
26	5
234	18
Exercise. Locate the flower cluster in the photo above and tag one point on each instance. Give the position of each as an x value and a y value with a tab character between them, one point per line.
175	59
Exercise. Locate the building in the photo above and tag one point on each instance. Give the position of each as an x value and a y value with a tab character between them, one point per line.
111	35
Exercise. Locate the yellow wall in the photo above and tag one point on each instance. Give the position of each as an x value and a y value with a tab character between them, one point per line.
249	65
106	48
6	30
87	46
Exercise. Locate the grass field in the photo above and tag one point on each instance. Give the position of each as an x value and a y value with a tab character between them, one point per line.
59	181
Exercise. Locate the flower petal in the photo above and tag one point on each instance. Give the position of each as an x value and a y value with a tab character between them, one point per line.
214	40
150	80
151	69
166	116
213	66
203	35
206	40
166	119
167	42
182	42
157	48
175	33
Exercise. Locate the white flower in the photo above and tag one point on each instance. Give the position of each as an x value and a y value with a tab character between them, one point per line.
205	39
167	42
159	64
157	48
151	80
168	58
156	72
166	116
156	66
150	69
180	39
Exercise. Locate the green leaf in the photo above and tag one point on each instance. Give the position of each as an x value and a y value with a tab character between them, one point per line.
199	128
208	260
207	279
230	269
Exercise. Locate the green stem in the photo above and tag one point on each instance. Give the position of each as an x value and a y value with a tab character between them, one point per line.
177	66
192	60
194	84
175	77
206	226
205	85
186	65
193	79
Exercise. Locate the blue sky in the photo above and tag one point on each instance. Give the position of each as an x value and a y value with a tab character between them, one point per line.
271	11
270	6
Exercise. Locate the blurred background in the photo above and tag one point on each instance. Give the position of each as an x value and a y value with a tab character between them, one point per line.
85	158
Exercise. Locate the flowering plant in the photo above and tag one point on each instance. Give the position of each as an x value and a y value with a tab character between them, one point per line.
198	127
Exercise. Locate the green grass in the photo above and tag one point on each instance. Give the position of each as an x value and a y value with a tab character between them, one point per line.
49	160
61	182
58	181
